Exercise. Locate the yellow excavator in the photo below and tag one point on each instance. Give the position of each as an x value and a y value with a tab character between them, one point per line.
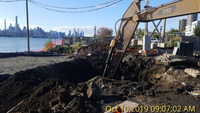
133	16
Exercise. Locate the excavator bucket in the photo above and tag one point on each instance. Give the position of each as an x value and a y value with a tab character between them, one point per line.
125	33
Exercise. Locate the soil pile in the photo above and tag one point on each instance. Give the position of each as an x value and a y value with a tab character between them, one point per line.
74	87
20	85
94	49
140	68
96	54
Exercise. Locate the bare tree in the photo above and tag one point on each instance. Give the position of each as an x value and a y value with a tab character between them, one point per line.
103	32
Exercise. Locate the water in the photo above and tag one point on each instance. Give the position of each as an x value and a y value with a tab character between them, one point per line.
19	44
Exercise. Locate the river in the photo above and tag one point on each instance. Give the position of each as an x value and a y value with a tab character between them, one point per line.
19	44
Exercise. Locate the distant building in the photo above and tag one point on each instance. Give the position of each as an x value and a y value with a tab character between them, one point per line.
17	28
189	31
76	33
192	23
191	18
69	34
182	24
15	31
4	24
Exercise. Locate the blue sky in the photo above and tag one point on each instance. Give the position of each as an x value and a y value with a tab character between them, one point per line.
50	20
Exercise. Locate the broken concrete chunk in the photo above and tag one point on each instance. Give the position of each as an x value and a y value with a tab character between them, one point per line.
193	72
93	91
195	93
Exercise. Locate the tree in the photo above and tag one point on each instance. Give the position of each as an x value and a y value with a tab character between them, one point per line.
172	37
173	31
156	36
197	31
49	44
140	32
103	32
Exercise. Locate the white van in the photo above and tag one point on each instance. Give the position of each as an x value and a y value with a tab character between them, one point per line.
154	40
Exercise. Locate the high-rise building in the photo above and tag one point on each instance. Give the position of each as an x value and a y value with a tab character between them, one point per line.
191	18
70	33
17	28
74	33
16	21
4	24
191	24
182	24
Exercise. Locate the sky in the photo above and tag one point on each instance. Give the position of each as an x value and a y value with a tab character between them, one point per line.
63	22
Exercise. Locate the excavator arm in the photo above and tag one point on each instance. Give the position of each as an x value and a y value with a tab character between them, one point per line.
130	21
126	31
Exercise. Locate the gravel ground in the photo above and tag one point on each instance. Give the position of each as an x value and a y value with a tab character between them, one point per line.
12	65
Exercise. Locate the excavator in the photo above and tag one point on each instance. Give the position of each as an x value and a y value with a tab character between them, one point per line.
133	16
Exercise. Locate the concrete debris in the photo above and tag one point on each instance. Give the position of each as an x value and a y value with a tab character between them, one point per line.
195	93
193	72
174	75
93	91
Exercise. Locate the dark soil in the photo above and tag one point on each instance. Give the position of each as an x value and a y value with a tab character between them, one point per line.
63	87
22	84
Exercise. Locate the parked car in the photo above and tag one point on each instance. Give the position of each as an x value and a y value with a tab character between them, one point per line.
154	40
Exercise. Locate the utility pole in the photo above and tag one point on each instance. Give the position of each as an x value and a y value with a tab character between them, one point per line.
146	38
163	34
146	24
27	19
95	38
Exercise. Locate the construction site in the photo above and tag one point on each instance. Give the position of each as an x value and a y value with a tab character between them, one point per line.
108	78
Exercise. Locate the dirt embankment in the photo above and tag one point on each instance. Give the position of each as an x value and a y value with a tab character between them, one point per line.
74	87
22	84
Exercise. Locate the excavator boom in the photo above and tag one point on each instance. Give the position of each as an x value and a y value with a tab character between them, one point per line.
130	21
172	9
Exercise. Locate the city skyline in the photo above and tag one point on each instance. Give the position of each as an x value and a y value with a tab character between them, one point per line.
63	22
23	28
16	31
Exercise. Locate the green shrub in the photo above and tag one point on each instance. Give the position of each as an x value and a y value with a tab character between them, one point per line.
197	31
156	36
65	49
171	42
77	45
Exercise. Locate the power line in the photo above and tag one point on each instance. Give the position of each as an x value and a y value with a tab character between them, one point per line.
52	8
55	10
85	7
42	4
11	0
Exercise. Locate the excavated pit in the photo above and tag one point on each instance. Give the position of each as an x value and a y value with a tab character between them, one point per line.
63	87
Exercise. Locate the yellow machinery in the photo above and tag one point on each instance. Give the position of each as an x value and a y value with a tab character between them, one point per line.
133	16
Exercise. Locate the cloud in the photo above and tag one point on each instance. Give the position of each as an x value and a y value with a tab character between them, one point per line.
88	30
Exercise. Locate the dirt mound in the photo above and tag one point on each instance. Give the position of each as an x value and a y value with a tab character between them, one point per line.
94	49
96	54
45	96
139	68
22	84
